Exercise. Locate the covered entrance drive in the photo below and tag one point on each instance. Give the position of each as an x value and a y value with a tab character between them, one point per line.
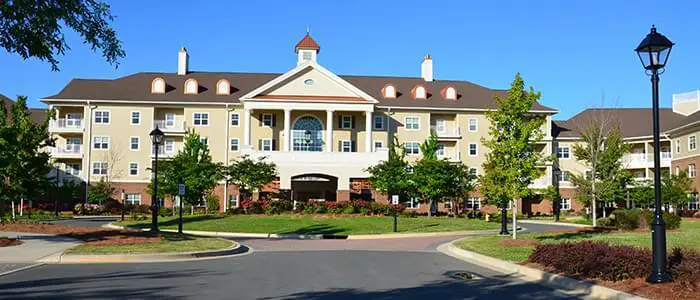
314	187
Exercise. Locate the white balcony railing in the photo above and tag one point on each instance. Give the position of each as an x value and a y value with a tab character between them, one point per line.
67	125
162	153
446	131
170	126
645	160
70	150
542	182
450	155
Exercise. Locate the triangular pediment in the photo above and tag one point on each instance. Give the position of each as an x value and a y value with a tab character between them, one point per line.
310	82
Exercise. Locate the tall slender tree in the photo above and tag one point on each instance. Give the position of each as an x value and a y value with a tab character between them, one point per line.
391	176
250	174
513	162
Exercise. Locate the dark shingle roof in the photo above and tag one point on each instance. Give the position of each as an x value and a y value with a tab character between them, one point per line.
633	122
37	115
137	87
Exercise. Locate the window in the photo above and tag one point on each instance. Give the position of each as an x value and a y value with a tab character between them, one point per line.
233	200
414	203
678	171
473	203
563	152
412	148
158	86
691	170
448	204
565	204
473	125
235	144
378	145
266	144
346	146
420	92
204	140
169	146
472	149
694	204
73	169
100	142
440	126
267	120
378	122
134	143
169	120
306	55
473	172
678	146
346	122
440	151
451	93
99	168
309	81
200	119
389	91
191	86
133	169
223	87
691	143
235	119
101	117
564	176
135	118
133	199
412	123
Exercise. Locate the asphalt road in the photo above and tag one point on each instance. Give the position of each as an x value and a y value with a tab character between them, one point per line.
284	269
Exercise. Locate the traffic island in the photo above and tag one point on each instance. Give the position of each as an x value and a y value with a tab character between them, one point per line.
148	253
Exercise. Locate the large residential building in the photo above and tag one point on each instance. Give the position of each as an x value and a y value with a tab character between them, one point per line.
321	129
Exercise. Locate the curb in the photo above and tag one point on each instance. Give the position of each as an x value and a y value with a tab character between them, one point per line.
238	249
553	223
21	269
559	282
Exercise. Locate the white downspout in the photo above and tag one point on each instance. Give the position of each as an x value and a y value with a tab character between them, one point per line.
88	170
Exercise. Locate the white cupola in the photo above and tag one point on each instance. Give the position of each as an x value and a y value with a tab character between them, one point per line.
307	49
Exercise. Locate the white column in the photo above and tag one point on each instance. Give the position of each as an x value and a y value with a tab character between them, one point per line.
246	128
368	131
329	131
646	159
287	133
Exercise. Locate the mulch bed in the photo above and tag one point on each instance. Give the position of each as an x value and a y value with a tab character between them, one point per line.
90	235
7	242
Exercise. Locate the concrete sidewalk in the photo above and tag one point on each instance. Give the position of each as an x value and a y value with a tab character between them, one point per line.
35	247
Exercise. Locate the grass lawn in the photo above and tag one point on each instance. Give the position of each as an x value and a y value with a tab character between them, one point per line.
563	219
169	243
686	236
320	224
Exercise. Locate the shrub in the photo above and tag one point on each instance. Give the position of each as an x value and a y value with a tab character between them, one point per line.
684	264
112	206
606	222
673	221
235	211
696	214
276	207
212	202
320	209
165	211
253	207
594	260
351	209
474	214
409	214
626	219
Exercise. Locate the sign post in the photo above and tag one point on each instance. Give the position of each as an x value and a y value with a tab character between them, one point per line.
395	203
181	193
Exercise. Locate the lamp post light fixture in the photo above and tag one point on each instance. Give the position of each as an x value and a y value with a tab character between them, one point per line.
157	140
653	52
123	203
557	196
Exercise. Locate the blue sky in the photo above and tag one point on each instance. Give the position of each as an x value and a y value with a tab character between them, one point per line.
579	54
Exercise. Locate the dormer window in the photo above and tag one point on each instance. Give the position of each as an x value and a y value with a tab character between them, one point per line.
191	86
420	92
158	86
223	87
389	91
450	93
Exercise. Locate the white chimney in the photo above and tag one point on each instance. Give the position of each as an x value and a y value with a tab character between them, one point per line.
183	61
426	68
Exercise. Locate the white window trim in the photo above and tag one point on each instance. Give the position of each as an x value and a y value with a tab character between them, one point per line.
94	113
92	168
374	122
262	144
469	152
374	144
92	143
569	152
139	145
476	171
476	127
138	167
474	200
131	117
230	199
444	125
129	202
678	145
412	201
694	173
239	144
411	142
405	122
565	200
72	173
342	122
342	146
165	149
265	115
231	120
561	176
201	112
696	143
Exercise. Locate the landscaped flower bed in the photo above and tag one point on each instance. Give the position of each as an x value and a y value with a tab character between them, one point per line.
8	242
317	207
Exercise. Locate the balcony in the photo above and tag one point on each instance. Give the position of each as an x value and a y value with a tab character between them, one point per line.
67	125
450	155
67	151
447	132
645	160
162	153
169	126
542	182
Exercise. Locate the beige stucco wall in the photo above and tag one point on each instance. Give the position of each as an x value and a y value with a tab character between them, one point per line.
321	86
683	137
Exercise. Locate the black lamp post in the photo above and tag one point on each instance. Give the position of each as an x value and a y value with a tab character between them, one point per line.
557	196
55	202
156	139
653	52
123	203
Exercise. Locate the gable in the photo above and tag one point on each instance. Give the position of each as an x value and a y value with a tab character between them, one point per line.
320	85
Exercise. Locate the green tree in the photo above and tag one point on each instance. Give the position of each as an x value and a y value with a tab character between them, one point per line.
391	176
642	193
512	163
34	28
675	190
249	174
24	162
100	192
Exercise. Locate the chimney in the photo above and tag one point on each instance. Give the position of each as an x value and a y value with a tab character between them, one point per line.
426	68
183	61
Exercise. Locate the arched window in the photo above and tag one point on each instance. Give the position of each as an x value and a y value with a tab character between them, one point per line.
420	92
307	134
158	86
223	87
191	86
389	91
451	93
